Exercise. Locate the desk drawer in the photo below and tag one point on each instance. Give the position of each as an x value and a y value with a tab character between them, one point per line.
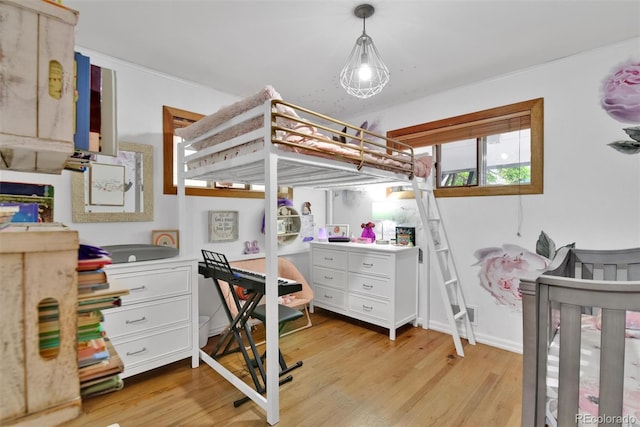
152	284
330	258
372	264
334	278
370	285
139	350
328	296
369	307
147	316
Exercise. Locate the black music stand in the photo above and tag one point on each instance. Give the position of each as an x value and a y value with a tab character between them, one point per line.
218	268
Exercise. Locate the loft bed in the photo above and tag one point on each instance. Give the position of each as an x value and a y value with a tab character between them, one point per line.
581	329
264	140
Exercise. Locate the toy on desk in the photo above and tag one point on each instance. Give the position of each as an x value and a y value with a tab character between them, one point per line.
251	248
367	231
306	208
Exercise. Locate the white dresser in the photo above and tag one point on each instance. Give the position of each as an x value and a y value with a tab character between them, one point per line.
377	284
158	321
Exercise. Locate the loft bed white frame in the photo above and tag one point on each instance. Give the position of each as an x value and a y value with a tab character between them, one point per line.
273	168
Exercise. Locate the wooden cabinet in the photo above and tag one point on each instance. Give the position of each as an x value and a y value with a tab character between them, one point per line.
377	284
36	264
37	41
157	323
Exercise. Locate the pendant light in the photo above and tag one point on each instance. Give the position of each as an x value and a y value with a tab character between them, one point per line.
364	74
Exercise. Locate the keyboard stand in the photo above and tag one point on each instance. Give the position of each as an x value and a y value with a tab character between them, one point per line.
252	358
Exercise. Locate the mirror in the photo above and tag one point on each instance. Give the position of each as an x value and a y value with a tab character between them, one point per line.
115	189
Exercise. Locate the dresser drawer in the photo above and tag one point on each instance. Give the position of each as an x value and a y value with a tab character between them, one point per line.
138	350
330	258
152	284
369	307
370	285
147	316
373	264
333	278
328	296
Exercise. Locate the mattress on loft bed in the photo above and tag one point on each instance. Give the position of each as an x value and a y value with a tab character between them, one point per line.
294	134
589	373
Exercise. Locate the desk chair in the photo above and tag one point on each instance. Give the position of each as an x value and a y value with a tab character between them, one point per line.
288	270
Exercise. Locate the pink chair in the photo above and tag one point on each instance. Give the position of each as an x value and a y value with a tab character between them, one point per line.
287	270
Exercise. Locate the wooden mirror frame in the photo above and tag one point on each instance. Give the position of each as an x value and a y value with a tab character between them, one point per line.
78	201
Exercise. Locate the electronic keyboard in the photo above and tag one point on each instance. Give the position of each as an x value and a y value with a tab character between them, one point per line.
217	266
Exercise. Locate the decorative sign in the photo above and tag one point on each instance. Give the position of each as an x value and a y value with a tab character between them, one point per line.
223	226
165	238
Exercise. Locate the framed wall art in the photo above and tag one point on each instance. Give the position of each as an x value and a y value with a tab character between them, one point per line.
107	184
165	238
223	226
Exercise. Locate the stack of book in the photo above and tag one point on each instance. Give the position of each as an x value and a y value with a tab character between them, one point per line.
99	365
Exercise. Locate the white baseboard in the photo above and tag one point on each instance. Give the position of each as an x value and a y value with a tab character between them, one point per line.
515	347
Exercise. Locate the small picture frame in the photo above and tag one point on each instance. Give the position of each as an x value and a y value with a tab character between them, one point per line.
337	230
165	238
406	236
223	226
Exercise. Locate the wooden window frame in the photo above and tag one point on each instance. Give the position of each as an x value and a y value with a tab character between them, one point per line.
450	129
170	116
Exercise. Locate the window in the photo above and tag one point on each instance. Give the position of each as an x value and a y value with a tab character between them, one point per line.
174	118
492	152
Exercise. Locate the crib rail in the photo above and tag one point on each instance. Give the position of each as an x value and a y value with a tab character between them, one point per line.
575	283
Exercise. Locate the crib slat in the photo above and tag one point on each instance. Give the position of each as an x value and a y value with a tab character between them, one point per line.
611	359
569	378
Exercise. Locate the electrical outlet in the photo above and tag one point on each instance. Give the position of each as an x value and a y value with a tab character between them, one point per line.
472	312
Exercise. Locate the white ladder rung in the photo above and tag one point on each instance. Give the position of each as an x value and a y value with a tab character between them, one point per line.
442	249
459	315
450	282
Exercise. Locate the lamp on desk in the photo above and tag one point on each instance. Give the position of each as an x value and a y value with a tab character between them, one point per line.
383	211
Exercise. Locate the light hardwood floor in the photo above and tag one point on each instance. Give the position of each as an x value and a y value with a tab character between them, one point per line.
352	376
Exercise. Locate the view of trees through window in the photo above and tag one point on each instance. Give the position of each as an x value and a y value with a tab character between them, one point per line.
498	151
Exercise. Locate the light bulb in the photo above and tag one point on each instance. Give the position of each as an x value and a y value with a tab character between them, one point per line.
364	72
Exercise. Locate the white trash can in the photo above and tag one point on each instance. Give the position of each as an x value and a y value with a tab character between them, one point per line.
203	321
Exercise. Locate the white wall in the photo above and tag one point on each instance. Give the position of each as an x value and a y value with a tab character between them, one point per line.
591	192
141	93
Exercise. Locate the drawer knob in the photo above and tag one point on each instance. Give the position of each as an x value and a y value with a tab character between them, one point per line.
328	277
365	286
142	319
367	265
328	296
328	258
133	353
367	308
139	288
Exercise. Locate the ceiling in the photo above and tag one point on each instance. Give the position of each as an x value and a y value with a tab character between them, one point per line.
299	47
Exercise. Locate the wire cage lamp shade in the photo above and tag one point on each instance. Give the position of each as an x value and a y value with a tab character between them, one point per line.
364	74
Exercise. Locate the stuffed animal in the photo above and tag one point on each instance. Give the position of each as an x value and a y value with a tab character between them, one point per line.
367	231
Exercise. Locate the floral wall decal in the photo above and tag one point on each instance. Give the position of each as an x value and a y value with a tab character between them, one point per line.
501	269
621	100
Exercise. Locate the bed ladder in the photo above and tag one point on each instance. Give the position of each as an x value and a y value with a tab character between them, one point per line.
449	285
